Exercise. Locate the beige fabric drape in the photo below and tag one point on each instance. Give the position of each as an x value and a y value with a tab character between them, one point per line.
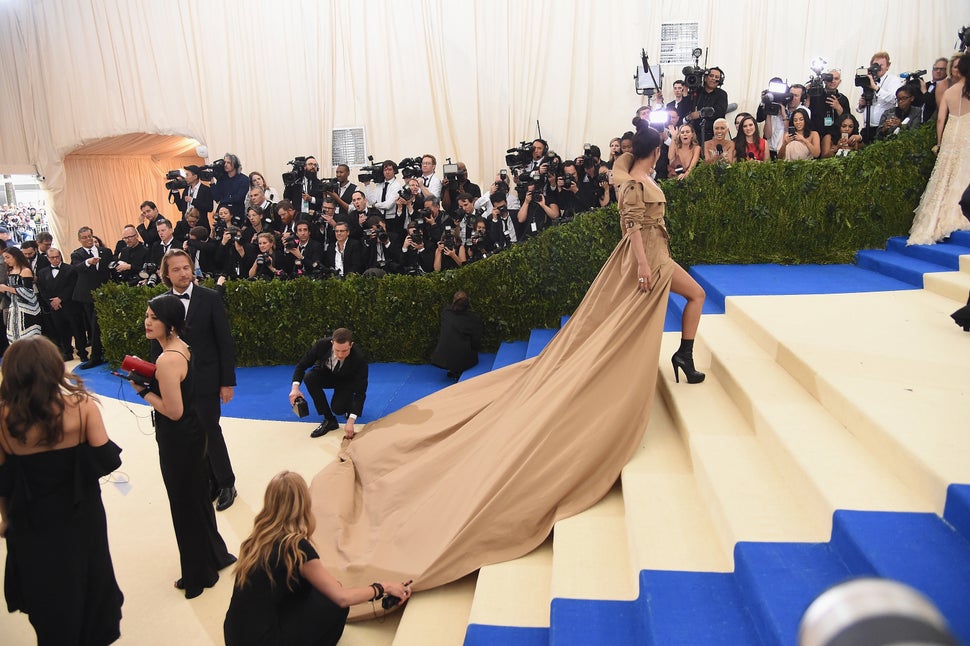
466	80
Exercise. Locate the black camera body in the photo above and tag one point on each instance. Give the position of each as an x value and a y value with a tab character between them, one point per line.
405	194
291	243
567	181
175	181
694	77
451	172
519	157
329	184
862	76
263	259
297	171
410	167
816	85
148	270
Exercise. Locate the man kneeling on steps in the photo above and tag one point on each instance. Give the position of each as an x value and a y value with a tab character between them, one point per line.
333	362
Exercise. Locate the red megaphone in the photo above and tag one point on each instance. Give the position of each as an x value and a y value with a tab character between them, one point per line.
138	366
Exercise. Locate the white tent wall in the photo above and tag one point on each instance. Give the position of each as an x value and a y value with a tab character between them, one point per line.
269	80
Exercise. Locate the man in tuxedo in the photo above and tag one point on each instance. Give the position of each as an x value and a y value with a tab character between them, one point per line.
214	358
305	256
346	255
147	229
307	191
91	262
197	194
334	362
681	104
56	283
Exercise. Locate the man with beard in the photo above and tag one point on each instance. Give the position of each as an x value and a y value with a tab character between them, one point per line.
306	191
710	96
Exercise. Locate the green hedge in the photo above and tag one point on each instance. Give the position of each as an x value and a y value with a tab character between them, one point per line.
798	212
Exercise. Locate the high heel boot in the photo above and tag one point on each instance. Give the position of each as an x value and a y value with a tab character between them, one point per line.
683	359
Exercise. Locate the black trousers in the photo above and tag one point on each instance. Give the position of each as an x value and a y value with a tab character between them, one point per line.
209	409
316	380
91	317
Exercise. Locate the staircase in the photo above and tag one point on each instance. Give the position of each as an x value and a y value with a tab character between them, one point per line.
829	441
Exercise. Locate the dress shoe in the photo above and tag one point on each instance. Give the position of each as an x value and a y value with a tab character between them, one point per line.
93	362
325	427
227	496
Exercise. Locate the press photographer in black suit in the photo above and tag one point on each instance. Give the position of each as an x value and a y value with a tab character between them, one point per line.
459	338
334	362
214	357
382	248
303	255
346	255
132	254
197	195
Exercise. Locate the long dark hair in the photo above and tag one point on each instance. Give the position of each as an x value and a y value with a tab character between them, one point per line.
169	310
33	390
740	141
18	256
807	130
963	64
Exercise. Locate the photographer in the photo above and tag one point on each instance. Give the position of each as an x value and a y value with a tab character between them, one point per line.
681	105
594	179
304	188
938	75
776	114
302	256
500	185
446	253
345	189
258	198
416	254
230	186
465	217
285	224
382	248
829	106
430	183
236	257
257	222
130	257
905	116
410	200
268	260
500	225
710	96
146	229
453	187
478	245
539	150
569	196
196	195
539	206
203	251
383	195
190	220
166	241
879	93
346	255
358	213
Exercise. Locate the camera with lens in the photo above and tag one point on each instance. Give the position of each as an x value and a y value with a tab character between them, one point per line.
175	181
417	237
193	244
862	75
148	270
451	171
816	85
777	95
236	233
694	77
370	172
290	243
113	265
603	178
410	167
420	216
519	157
298	165
329	184
567	181
263	259
405	194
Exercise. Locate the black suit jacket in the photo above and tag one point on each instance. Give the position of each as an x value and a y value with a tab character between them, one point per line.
157	251
62	286
353	257
294	193
392	253
202	202
89	277
208	335
149	232
352	375
459	340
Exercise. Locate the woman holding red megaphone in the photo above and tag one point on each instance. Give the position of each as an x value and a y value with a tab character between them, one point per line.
181	447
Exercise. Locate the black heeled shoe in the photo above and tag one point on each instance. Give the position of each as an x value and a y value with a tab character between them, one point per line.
683	359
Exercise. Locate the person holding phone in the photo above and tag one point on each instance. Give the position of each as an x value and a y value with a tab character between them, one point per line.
800	142
848	140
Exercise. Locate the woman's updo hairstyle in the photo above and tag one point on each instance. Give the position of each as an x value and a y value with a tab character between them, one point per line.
646	139
169	310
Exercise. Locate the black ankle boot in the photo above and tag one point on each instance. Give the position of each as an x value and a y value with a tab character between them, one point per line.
683	359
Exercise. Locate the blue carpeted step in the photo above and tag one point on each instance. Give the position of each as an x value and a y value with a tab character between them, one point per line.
579	622
485	363
779	580
693	608
563	320
484	635
957	510
896	265
510	352
708	279
961	238
675	312
945	255
538	338
919	550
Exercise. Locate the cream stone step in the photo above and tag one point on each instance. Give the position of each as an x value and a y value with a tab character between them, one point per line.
965	263
748	495
437	617
892	369
667	522
516	592
954	285
814	450
590	555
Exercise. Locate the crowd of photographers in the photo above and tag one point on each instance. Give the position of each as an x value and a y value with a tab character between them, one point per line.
407	218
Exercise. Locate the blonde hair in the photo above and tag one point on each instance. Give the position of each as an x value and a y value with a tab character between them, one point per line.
693	137
283	522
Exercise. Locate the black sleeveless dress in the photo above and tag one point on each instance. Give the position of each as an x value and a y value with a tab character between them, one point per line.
181	456
58	568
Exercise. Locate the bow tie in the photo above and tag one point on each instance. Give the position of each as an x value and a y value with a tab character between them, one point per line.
184	297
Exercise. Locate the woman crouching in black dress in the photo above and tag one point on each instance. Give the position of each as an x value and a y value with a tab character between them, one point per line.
181	449
283	593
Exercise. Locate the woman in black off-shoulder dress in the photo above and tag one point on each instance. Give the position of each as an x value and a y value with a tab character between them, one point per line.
58	569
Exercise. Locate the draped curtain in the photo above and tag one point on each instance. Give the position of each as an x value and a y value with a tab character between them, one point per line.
465	80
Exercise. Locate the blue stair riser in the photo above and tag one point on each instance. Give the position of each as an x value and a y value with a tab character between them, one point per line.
896	265
509	353
957	510
947	256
